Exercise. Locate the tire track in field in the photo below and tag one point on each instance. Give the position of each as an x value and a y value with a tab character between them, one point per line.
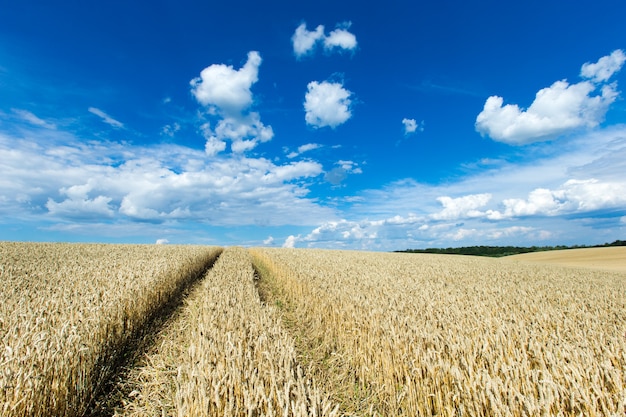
111	392
313	356
226	353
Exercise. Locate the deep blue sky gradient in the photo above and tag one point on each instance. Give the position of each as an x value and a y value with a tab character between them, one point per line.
434	62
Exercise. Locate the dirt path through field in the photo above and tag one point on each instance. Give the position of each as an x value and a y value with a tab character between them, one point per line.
112	393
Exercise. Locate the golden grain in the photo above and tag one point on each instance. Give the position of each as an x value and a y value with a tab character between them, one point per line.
227	354
407	334
67	310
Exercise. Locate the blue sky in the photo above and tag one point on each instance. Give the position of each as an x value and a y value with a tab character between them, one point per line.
375	126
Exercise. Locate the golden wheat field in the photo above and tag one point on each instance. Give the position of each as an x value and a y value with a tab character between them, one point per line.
608	258
414	334
67	311
304	332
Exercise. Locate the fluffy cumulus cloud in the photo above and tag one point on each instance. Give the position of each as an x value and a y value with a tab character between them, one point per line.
226	88
327	104
341	38
572	197
227	94
605	67
559	109
304	41
461	207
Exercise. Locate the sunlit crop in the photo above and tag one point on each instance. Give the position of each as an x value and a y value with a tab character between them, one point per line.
227	354
67	311
406	334
303	332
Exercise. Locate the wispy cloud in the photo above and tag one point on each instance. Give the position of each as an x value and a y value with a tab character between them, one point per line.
32	119
302	149
105	117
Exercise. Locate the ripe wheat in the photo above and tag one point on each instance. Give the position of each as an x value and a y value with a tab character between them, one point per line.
406	334
227	354
66	311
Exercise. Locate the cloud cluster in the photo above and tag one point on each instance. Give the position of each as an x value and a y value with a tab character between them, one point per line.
557	110
305	41
502	205
226	92
327	104
114	182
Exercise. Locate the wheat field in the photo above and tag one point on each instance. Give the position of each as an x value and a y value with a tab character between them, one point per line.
67	310
227	354
304	332
607	258
414	334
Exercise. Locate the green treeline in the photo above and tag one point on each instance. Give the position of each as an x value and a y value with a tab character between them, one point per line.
496	251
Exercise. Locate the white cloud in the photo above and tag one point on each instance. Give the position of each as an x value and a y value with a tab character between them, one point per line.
574	196
229	89
290	242
213	146
327	104
302	149
308	147
604	68
341	38
79	205
33	119
105	117
170	130
559	109
268	241
304	41
162	241
227	93
75	179
567	196
461	207
412	126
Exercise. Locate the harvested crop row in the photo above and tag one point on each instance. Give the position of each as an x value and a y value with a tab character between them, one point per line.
403	334
226	354
67	311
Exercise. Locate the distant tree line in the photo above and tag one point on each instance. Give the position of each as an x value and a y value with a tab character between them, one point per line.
497	251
